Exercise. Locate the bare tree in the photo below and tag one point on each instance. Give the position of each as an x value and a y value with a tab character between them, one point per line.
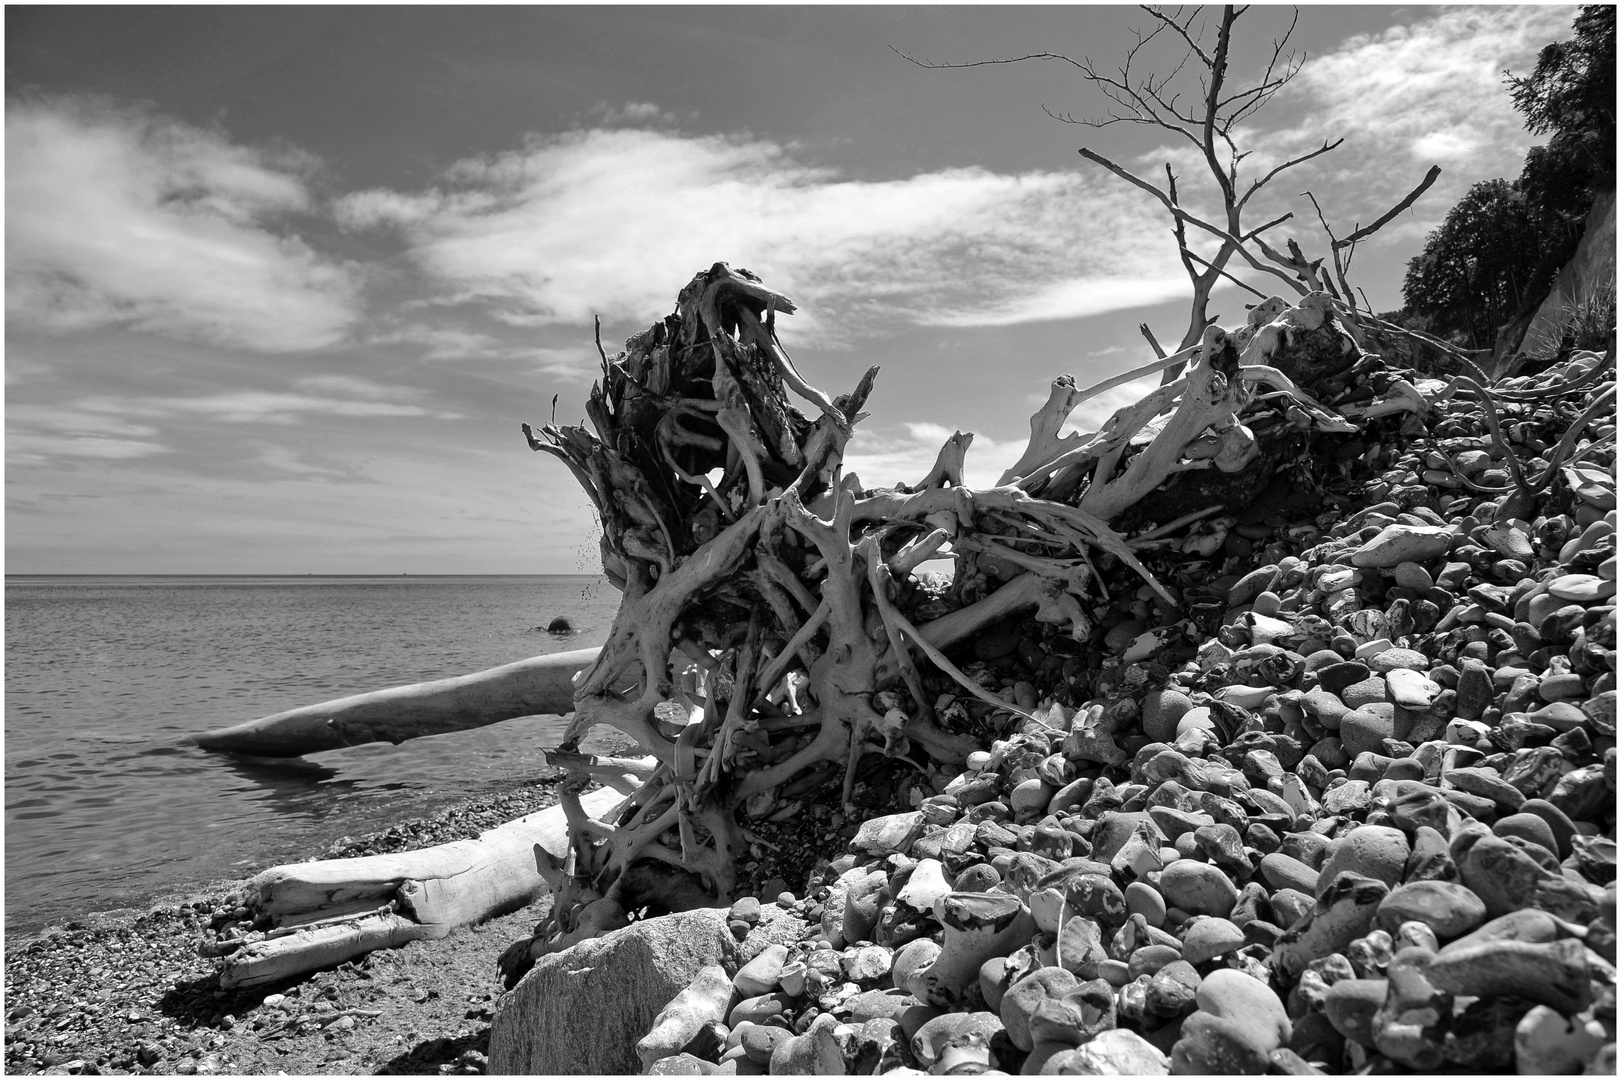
1159	95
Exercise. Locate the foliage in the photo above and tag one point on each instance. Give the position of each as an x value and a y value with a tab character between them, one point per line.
1570	97
1495	256
1584	323
1477	269
1571	93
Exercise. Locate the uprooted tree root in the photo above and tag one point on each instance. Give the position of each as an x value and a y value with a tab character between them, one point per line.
772	628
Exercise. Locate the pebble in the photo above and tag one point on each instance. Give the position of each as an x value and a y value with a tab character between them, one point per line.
1205	937
1450	910
1198	888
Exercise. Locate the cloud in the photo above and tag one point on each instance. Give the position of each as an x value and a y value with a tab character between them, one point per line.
1434	84
442	342
1429	92
37	433
608	221
121	217
1093	413
884	460
269	407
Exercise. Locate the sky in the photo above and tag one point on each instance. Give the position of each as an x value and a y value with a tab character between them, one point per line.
283	282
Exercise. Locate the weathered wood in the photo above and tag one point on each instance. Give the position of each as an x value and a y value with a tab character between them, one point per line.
498	866
536	686
437	889
275	959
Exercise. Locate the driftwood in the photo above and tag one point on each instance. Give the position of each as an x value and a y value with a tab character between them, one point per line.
741	547
539	685
329	911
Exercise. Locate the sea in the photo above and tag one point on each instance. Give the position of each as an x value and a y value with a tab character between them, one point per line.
106	804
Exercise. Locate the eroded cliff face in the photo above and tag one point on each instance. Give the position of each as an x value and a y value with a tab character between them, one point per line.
1590	271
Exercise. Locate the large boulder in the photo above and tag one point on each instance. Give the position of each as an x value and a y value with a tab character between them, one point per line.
582	1010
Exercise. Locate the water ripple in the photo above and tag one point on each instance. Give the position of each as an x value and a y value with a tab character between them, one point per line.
104	675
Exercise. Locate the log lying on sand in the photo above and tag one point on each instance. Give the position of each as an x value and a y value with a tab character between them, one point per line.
333	910
538	685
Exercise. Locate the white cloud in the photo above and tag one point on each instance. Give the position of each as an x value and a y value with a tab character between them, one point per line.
1093	413
115	217
611	222
38	433
1442	75
1429	92
442	342
25	449
101	415
884	460
269	407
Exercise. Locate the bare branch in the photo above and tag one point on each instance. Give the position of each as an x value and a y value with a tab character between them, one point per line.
1182	30
1423	186
1152	343
986	63
1231	278
1274	223
1291	163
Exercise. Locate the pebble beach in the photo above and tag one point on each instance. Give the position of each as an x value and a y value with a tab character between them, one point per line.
1364	824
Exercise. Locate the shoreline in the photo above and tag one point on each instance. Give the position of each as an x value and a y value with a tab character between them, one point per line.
124	990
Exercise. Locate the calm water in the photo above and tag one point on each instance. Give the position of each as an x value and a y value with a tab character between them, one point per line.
105	807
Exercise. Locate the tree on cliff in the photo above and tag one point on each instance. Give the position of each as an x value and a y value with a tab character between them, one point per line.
1185	90
1478	268
1494	258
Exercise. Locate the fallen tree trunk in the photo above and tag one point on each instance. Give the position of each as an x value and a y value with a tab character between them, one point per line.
538	685
332	910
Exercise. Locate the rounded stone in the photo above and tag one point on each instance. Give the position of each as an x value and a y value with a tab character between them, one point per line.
1284	872
759	1040
1351	1005
1206	937
1363	731
1218	1045
1231	993
1527	827
1558	821
1376	851
1369	691
911	960
1161	711
1148	959
1198	888
747	909
1447	908
1020	1001
1396	659
1400	542
759	976
1142	899
1290	906
940	1030
990	982
1411	575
